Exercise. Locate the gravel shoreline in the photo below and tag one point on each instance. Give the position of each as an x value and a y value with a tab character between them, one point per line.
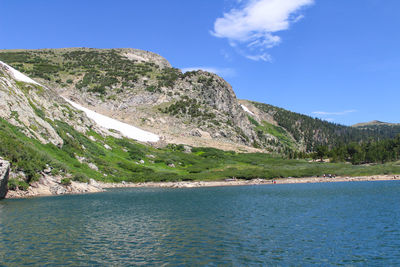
238	182
96	187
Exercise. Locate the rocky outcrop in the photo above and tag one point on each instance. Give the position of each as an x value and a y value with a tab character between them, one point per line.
144	56
4	173
219	99
49	185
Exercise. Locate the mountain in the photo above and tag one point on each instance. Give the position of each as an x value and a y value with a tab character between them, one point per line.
56	146
78	115
142	89
194	108
374	124
381	129
313	132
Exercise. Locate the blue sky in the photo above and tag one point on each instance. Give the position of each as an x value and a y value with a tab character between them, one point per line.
334	59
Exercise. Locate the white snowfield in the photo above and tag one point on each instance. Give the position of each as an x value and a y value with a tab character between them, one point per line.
247	110
109	123
18	75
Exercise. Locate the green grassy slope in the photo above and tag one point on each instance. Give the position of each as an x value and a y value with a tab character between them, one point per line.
131	161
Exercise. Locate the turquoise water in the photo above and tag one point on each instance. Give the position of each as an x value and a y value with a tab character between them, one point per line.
354	224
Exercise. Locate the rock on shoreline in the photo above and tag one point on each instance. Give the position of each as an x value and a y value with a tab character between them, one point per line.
4	174
51	186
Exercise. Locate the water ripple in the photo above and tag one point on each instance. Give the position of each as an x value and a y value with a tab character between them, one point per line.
323	224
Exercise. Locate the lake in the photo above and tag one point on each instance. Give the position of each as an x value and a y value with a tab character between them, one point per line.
353	223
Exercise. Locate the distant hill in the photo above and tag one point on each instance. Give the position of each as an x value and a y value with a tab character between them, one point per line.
375	123
381	129
312	132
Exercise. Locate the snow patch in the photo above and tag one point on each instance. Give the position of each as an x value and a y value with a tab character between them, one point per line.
109	123
247	110
18	75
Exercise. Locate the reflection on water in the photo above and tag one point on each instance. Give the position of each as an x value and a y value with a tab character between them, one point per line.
324	224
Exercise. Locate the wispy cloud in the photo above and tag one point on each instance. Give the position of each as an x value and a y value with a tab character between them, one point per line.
252	26
337	113
224	72
261	57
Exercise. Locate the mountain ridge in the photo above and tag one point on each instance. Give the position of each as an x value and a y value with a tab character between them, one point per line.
56	146
375	122
196	108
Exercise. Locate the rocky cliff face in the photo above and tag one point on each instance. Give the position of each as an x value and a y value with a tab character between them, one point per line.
4	173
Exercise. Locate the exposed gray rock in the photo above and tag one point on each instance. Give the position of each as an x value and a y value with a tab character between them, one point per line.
58	190
80	159
4	173
144	56
93	166
94	183
195	132
51	185
188	149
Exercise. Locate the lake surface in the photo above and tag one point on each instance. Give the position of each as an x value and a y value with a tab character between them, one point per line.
353	224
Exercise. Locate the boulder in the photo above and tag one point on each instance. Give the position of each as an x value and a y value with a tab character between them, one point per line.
93	166
94	183
4	173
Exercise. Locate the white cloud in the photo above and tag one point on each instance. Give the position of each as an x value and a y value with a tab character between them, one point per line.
338	113
254	25
261	57
224	72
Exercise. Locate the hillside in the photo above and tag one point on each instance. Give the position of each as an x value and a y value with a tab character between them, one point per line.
372	123
382	129
57	146
194	108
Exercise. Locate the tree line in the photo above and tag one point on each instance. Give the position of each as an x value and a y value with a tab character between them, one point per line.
382	151
314	132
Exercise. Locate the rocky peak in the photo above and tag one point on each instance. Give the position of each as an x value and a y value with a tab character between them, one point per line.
144	56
